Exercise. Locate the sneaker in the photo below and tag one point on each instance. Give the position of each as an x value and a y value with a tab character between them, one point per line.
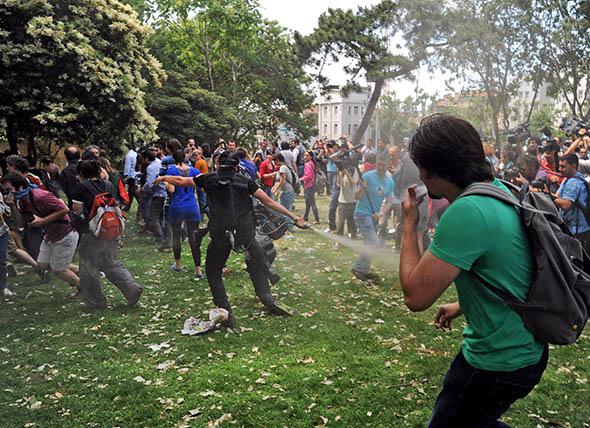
280	309
360	276
199	276
77	294
135	298
164	248
372	277
273	278
7	293
175	268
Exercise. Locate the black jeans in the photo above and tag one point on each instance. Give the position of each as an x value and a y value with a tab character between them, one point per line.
475	398
333	205
309	195
194	240
131	190
217	253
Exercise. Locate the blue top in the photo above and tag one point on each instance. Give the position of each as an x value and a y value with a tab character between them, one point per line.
331	166
378	189
249	167
166	162
152	171
183	198
574	190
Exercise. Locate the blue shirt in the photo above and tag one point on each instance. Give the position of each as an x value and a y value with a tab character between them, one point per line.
378	189
331	166
574	190
152	171
183	198
130	161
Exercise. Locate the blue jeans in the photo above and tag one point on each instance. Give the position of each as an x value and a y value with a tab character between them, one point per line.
309	195
366	226
333	205
476	398
287	200
3	254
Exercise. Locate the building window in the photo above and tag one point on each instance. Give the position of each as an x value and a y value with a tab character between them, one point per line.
362	111
325	130
335	129
326	110
355	128
335	109
349	129
356	111
349	110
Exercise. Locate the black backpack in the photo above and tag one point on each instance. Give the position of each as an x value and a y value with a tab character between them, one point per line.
557	304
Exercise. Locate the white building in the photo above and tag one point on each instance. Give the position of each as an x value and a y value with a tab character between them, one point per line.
341	115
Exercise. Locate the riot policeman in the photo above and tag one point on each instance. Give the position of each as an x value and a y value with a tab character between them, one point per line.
232	225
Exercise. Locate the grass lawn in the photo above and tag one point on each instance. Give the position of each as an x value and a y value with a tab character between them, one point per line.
353	355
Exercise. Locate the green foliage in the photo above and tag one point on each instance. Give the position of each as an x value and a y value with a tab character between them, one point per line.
562	43
75	72
240	62
544	116
488	48
399	118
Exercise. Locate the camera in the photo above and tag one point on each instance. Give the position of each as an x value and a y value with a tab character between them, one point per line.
348	159
572	125
519	134
511	174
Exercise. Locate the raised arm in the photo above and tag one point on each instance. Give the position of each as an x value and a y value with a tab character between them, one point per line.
175	180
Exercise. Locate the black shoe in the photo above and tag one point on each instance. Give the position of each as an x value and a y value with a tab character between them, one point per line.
45	276
273	278
360	276
230	322
10	270
135	298
76	295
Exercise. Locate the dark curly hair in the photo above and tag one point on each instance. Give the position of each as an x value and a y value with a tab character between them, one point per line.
450	148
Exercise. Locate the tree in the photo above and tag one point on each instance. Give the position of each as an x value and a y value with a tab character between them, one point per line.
562	47
542	117
233	56
363	40
400	118
74	72
487	47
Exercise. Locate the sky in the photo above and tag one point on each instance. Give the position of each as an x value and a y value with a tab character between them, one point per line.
303	15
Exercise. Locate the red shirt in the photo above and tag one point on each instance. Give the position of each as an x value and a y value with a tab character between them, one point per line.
46	203
266	168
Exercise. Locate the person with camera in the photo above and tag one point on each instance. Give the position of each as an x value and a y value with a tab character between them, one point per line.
374	198
499	361
572	198
347	180
284	182
232	225
308	180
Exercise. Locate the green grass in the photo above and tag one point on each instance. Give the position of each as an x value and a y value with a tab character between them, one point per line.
353	356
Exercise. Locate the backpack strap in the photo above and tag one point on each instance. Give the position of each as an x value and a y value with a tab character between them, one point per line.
488	189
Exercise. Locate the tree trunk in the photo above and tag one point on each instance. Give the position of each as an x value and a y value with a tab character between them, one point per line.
32	149
495	127
11	136
356	140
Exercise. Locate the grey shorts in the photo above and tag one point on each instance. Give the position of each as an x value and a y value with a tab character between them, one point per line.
59	254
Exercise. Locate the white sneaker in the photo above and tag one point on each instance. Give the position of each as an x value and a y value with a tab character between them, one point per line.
328	230
6	292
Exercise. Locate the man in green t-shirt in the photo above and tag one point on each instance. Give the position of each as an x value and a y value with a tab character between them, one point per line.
500	361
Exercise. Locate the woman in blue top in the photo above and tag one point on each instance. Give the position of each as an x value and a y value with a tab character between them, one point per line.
184	209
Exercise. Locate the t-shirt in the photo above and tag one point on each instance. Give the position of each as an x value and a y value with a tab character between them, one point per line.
486	235
289	157
183	197
202	166
347	187
377	190
46	203
574	189
85	191
284	169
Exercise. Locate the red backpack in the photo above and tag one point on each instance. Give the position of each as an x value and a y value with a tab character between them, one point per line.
106	220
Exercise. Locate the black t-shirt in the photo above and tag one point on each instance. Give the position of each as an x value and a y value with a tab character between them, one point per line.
229	197
86	190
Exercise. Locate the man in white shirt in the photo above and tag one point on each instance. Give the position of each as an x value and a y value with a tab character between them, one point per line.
130	175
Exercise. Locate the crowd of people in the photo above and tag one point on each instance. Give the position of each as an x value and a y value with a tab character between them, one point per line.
418	188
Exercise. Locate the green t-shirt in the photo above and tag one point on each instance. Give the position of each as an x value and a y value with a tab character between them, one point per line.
486	235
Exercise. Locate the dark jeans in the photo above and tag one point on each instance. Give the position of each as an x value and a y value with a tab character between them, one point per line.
346	215
3	255
475	398
156	220
309	195
333	205
217	253
194	240
131	190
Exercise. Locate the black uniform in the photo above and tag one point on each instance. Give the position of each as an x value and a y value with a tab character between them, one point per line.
232	224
